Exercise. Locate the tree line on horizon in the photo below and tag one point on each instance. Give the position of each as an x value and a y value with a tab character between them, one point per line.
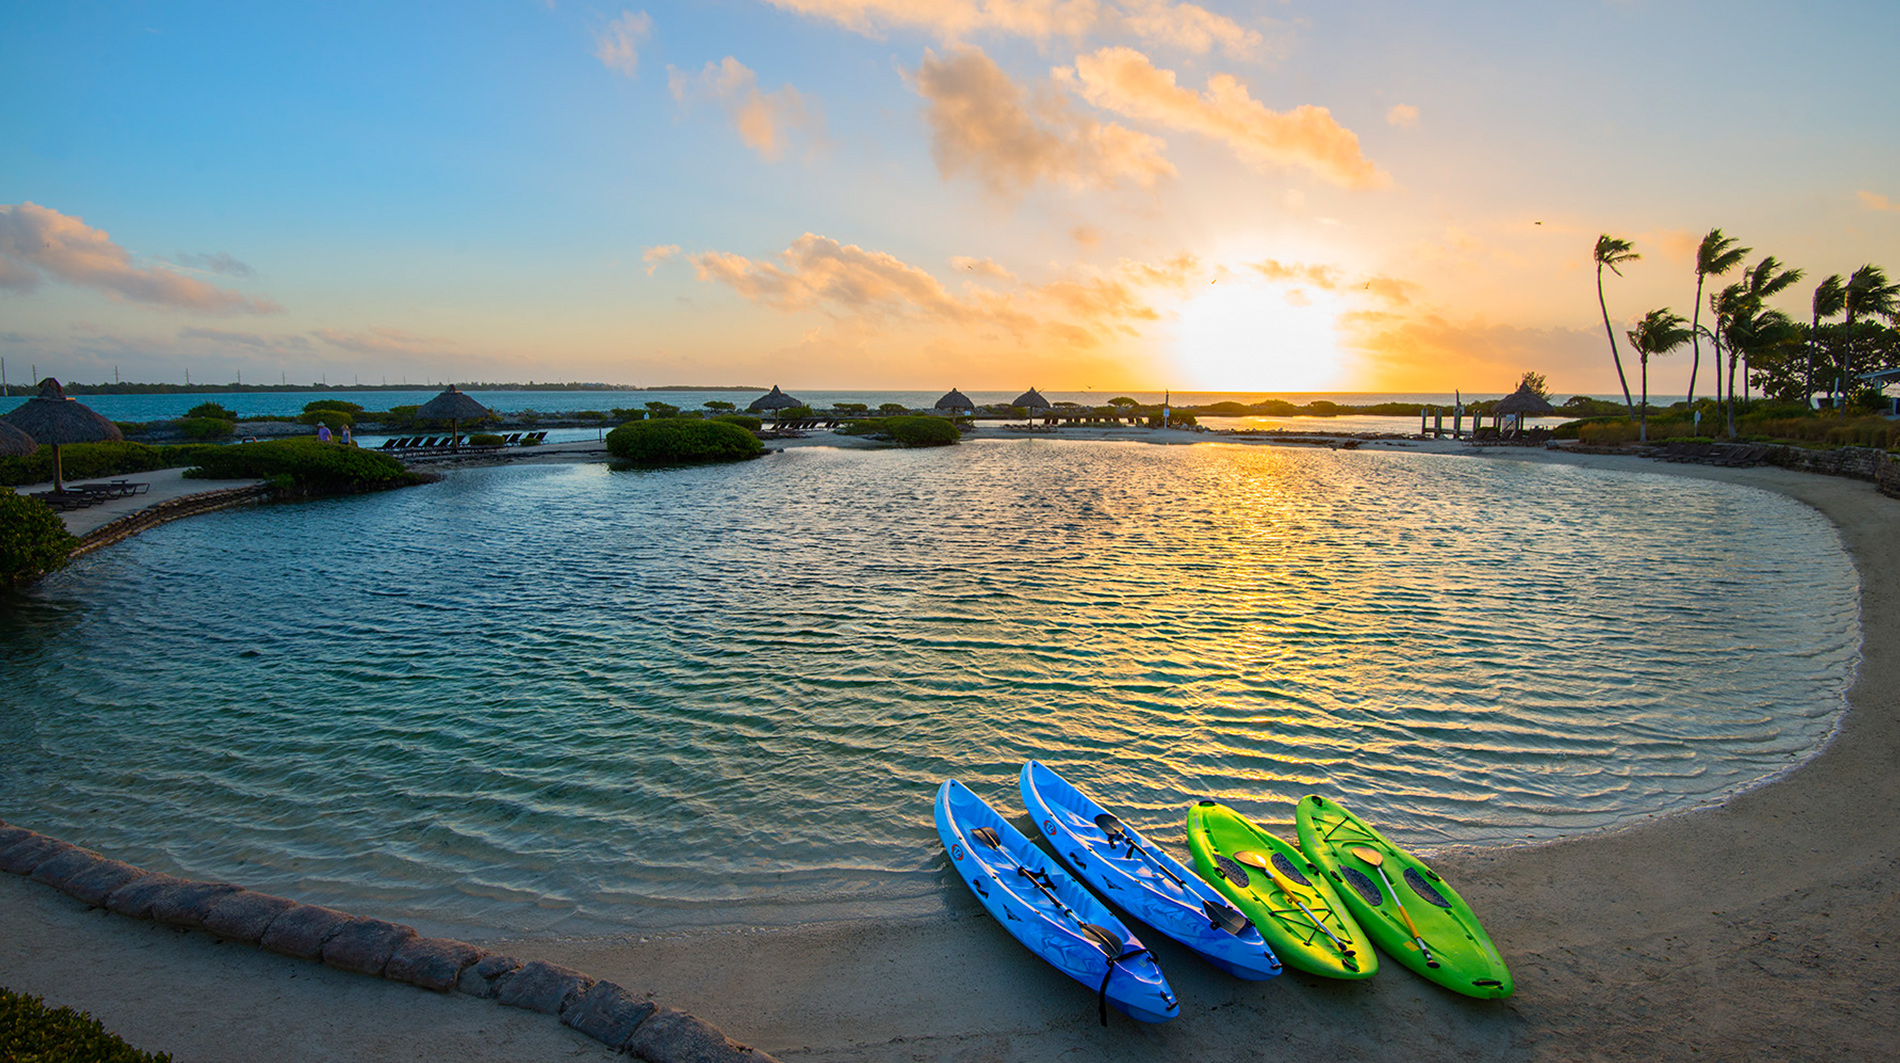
1783	358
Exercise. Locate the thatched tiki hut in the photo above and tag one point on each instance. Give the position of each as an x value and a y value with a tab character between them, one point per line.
1520	404
15	443
55	420
955	401
772	400
453	406
1032	401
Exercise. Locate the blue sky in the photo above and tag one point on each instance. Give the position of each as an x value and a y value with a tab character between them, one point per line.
864	193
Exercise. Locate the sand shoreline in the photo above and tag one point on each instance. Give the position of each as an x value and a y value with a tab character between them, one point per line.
1763	927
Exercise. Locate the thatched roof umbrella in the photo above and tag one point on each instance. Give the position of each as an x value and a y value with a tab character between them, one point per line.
55	420
955	400
772	400
1032	401
1521	402
15	443
453	406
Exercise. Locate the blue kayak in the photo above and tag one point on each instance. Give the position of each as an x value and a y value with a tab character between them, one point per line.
1049	912
1142	880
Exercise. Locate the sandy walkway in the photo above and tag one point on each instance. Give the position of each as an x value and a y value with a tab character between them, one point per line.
1767	928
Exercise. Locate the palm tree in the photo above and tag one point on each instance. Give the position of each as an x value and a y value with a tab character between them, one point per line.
1758	335
1830	298
1716	255
1867	293
1725	306
1613	252
1767	279
1658	333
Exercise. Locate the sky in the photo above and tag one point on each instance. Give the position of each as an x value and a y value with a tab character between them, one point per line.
915	194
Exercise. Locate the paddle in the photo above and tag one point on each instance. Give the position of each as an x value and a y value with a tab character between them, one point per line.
1260	860
1105	939
1118	833
1377	860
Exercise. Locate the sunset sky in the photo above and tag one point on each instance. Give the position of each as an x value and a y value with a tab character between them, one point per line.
885	194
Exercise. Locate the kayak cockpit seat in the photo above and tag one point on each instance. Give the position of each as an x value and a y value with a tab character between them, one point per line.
1363	886
1424	889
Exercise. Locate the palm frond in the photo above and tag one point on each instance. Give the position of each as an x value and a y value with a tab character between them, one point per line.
1770	277
1830	297
1612	251
1717	254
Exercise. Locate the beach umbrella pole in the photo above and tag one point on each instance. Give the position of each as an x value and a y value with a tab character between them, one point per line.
59	483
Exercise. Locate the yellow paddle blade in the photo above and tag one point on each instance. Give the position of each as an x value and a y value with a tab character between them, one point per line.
1370	856
1254	858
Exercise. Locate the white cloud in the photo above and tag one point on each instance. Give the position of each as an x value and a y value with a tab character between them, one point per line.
37	242
764	120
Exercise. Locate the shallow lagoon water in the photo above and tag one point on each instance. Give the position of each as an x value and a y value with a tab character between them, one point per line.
559	698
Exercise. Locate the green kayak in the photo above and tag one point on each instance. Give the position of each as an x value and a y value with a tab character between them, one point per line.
1411	913
1285	895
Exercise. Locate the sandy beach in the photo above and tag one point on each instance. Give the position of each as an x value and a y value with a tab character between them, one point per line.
1763	928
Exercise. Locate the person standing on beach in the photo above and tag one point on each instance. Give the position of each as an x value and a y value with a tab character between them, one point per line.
346	440
323	433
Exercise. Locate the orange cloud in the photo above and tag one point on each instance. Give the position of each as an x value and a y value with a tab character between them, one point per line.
1402	114
1329	278
1126	82
982	267
763	119
385	341
1186	26
1876	201
618	46
654	257
873	288
984	122
37	242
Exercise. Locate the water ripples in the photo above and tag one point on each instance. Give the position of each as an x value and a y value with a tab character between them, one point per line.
561	697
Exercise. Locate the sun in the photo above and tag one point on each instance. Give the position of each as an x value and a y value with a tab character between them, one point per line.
1236	336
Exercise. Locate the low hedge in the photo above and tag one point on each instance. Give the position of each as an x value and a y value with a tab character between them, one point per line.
206	427
677	441
485	439
743	420
87	461
921	431
31	1032
33	542
310	465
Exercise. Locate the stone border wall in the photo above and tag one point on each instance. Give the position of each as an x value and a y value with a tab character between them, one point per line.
614	1016
164	512
1872	464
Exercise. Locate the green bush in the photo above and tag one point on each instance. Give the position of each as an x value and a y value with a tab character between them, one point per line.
624	414
339	405
31	1032
206	427
333	418
743	420
589	415
794	413
85	461
33	542
657	409
485	439
861	428
676	441
312	466
212	409
893	409
921	431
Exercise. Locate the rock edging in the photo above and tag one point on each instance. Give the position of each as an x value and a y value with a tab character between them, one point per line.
608	1013
164	512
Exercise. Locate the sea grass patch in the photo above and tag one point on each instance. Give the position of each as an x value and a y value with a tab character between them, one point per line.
136	897
365	945
673	1036
85	876
301	931
23	857
608	1014
480	980
244	916
188	903
543	987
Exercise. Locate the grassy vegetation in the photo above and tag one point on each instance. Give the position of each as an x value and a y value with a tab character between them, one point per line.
1768	423
682	441
31	1032
303	466
921	431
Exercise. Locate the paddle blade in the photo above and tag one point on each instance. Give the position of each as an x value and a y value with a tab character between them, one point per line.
1371	856
987	837
1254	858
1105	939
1226	918
1111	827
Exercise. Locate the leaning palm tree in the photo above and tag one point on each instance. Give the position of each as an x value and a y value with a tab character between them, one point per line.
1756	335
1725	307
1613	252
1868	292
1766	279
1658	333
1830	298
1716	255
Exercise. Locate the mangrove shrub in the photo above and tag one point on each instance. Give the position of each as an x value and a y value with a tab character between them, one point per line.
311	466
31	1031
33	540
678	441
921	431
